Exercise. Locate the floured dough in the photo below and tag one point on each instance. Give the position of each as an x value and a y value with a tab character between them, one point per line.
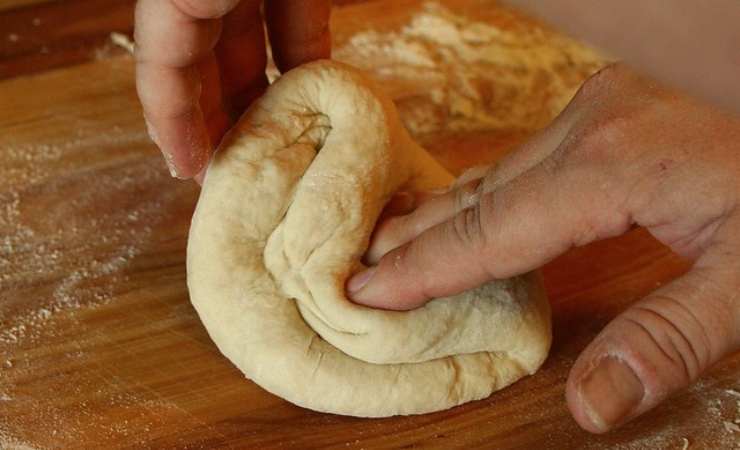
286	211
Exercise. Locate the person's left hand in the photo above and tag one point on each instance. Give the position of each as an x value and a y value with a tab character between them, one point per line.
200	63
624	152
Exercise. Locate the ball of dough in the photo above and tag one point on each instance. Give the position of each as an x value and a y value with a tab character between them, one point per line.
286	211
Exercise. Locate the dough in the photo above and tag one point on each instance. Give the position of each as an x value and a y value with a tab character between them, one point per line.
284	217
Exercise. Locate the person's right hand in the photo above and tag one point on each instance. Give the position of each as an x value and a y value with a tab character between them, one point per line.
199	64
625	151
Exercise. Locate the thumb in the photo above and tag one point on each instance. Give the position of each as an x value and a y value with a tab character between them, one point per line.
517	227
656	347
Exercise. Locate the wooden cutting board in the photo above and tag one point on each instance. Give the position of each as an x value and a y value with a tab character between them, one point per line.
100	348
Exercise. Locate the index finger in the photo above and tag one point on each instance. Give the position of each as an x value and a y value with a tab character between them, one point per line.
509	231
172	38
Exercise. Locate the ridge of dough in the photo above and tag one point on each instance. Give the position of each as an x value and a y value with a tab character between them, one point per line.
286	211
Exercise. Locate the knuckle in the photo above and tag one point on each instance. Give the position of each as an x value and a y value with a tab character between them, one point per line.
467	195
606	120
590	161
600	81
717	286
586	234
595	226
673	337
598	141
474	173
467	228
594	199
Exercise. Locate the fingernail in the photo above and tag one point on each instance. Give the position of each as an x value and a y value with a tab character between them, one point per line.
359	280
610	393
150	131
169	160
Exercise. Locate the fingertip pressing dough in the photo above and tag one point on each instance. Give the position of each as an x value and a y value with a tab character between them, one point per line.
286	211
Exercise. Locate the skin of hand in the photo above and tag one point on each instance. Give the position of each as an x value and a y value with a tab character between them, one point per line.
625	151
199	63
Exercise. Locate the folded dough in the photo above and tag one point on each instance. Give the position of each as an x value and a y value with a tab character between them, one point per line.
285	214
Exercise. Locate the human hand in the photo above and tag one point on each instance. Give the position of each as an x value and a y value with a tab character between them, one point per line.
200	63
624	152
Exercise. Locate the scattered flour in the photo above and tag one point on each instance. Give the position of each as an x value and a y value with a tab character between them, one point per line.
113	45
733	393
7	443
459	74
55	213
63	254
123	41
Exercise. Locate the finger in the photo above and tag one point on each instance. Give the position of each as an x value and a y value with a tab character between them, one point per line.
533	151
173	116
392	232
172	38
211	103
401	203
200	178
655	348
470	174
398	230
405	202
536	149
242	56
514	229
299	31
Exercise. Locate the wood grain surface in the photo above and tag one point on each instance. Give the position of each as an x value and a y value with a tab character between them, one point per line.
99	346
50	34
